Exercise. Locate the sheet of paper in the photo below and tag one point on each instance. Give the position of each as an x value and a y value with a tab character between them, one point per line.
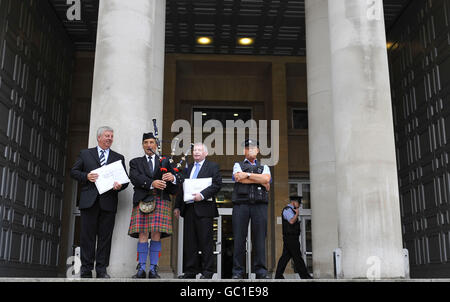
109	174
191	186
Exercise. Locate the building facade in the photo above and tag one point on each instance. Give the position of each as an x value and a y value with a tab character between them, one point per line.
360	96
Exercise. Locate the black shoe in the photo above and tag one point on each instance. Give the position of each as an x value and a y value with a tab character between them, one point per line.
103	275
237	276
279	277
86	275
187	276
262	276
153	274
140	273
206	275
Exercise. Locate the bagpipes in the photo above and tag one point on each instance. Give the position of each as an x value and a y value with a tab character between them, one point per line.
167	165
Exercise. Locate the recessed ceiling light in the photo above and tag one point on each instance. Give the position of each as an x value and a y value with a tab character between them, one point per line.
204	40
204	114
236	114
245	41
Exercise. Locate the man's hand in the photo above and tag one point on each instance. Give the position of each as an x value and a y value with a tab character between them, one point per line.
197	197
117	186
176	213
92	177
168	177
240	176
159	184
267	186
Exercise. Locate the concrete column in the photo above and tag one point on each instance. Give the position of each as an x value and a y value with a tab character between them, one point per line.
280	185
366	172
127	94
322	162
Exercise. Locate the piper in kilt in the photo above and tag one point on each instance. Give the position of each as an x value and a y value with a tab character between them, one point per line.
151	182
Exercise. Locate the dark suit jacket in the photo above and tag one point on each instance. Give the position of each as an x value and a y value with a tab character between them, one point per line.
87	161
142	180
203	208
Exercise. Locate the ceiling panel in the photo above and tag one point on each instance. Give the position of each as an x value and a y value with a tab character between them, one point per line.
277	26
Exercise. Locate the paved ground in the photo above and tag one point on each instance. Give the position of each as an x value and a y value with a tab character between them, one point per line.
213	281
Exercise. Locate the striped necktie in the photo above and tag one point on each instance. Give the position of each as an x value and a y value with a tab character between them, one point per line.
102	158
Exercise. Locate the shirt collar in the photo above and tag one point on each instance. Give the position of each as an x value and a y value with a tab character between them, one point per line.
99	149
201	163
151	156
246	160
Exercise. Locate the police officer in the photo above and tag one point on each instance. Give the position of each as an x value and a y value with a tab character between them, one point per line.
291	243
250	200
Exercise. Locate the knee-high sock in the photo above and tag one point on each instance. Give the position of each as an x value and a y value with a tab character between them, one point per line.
142	250
155	248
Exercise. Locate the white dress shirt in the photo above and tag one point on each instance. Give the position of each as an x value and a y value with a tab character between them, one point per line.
100	154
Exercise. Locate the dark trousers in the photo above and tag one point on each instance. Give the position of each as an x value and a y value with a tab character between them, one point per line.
257	214
198	236
96	228
291	249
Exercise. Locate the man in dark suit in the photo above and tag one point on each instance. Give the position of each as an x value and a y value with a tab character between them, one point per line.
98	212
198	215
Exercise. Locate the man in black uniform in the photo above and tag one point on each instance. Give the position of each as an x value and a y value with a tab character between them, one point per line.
250	200
291	243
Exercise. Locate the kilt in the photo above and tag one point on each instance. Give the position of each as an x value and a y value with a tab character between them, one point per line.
160	220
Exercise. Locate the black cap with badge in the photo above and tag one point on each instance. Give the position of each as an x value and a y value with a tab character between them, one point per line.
148	136
296	198
250	143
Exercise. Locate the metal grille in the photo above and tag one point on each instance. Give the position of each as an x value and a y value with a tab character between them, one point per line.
35	79
420	76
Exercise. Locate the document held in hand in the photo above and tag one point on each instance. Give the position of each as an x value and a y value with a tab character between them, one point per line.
109	174
191	186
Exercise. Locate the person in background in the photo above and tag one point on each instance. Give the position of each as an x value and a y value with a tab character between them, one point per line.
291	241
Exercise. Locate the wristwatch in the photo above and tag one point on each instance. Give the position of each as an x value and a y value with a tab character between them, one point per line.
248	175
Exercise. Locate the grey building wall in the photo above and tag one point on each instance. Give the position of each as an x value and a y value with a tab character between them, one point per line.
420	78
36	60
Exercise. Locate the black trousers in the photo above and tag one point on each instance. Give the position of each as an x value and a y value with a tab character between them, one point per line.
257	214
198	236
291	249
97	227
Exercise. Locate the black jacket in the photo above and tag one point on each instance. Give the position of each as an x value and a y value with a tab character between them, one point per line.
87	161
203	208
142	179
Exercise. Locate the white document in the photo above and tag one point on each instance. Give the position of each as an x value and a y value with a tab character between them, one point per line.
109	174
192	186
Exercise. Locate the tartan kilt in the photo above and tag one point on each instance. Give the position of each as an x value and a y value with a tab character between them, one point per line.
160	220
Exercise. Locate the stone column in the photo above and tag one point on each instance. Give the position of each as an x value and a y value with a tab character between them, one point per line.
322	162
366	172
127	94
280	185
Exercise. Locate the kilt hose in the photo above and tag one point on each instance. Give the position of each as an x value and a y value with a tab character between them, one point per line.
160	220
